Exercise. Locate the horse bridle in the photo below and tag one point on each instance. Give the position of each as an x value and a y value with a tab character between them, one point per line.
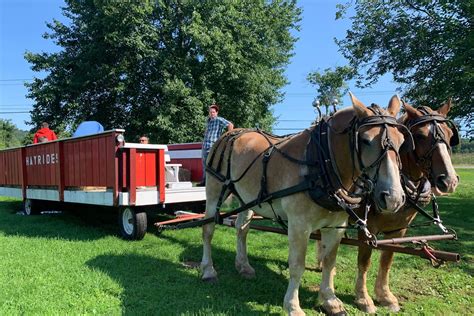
384	121
439	136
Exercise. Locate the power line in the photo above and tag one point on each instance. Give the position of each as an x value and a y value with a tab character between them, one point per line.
294	120
23	104
17	79
16	112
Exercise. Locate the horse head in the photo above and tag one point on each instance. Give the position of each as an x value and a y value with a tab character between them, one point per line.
434	135
372	138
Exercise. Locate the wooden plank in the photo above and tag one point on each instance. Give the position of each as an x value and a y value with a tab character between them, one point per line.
95	162
131	175
150	172
160	174
83	162
77	171
102	163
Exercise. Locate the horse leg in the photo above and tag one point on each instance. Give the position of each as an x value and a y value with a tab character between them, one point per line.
363	299
298	236
382	289
242	264
330	239
319	256
207	266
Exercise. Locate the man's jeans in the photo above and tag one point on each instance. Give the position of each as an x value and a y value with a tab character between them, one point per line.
205	153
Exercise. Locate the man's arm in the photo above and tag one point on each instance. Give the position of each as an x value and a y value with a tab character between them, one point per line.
230	127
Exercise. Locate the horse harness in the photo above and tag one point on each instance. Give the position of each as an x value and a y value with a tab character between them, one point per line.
439	137
323	182
424	162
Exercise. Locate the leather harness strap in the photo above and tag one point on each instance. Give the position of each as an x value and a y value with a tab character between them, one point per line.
322	183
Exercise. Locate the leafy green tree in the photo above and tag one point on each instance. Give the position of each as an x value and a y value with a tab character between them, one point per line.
331	84
10	135
155	66
426	45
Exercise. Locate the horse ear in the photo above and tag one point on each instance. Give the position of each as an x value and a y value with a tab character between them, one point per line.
359	107
444	109
394	106
411	111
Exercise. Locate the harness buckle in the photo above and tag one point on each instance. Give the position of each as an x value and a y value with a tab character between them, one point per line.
438	222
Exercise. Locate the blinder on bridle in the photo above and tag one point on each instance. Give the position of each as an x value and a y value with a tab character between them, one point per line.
436	119
387	144
409	144
454	141
439	136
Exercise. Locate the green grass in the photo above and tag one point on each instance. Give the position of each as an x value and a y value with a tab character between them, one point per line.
463	159
65	264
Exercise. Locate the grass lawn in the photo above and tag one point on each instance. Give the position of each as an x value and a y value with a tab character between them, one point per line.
66	264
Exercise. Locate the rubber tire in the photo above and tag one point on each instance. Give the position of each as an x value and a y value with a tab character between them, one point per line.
31	207
135	227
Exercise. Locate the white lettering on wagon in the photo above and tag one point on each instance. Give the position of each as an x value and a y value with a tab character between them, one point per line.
44	159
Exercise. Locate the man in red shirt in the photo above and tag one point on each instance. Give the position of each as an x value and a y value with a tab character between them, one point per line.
44	131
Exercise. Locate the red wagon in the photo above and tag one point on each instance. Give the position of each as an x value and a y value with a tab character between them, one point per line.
101	169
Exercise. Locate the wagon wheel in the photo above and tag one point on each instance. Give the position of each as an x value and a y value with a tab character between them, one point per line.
31	207
132	223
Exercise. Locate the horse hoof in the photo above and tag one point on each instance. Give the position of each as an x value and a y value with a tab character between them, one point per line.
394	308
247	275
210	280
296	312
330	309
391	303
340	313
366	305
369	309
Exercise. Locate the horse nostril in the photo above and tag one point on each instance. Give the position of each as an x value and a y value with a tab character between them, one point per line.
441	182
383	197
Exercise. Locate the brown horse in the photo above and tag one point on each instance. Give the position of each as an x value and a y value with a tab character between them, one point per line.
245	160
430	160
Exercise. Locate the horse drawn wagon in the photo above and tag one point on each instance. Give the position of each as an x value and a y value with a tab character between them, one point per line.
100	170
103	170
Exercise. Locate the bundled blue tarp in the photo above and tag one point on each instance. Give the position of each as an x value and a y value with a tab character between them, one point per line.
88	128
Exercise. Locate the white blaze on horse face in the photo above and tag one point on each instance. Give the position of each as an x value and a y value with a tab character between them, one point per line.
388	193
445	177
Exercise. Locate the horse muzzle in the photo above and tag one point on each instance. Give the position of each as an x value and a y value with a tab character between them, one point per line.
389	201
445	184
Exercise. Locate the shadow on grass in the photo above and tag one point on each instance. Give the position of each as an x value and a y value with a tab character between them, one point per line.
157	286
269	286
72	222
458	214
86	224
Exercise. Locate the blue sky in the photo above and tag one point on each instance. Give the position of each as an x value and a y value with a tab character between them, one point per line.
22	22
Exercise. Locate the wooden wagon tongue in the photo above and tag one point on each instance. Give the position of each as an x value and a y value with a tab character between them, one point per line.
435	256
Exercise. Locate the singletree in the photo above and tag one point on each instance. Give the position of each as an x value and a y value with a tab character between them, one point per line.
155	66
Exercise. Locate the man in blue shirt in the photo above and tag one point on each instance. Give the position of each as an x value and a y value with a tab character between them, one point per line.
214	128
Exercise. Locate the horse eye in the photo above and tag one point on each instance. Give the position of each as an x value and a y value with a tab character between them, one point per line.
365	141
419	136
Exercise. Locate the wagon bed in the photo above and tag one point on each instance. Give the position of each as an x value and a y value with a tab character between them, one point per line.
99	169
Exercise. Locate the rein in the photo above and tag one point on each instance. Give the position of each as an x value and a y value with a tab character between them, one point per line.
439	137
327	178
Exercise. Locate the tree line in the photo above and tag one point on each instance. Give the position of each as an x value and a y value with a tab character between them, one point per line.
153	67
